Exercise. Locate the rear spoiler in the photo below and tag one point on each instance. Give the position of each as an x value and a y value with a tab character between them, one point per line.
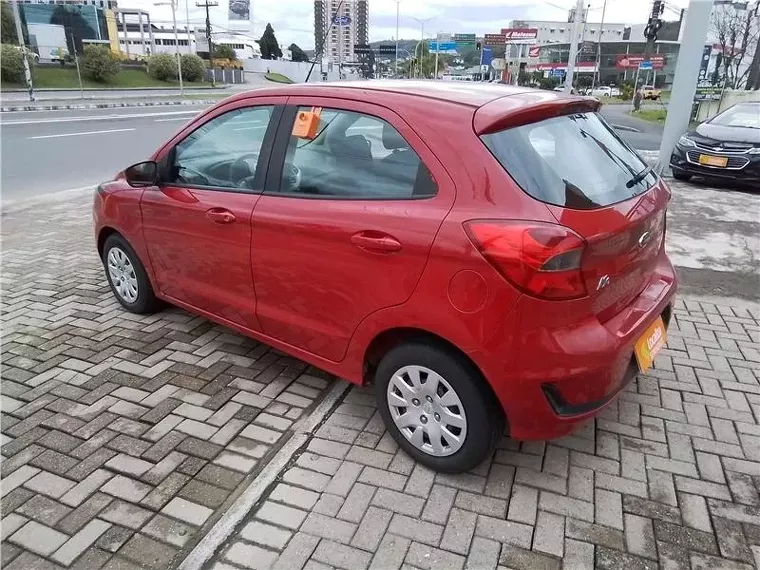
529	107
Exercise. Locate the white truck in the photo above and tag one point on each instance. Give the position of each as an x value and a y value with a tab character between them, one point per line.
49	41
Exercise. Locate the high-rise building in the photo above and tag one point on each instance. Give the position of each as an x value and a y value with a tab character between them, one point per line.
351	27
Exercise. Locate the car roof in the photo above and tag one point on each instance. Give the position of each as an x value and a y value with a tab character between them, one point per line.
472	94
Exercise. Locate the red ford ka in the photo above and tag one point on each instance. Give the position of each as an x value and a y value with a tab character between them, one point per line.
491	258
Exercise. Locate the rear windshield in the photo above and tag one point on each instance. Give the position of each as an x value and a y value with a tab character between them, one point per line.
576	161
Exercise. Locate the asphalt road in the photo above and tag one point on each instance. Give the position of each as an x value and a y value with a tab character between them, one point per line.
53	94
53	151
640	134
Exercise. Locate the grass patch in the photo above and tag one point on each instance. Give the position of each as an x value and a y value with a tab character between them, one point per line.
278	77
651	115
66	78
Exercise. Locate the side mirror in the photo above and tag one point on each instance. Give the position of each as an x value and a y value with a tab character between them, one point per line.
142	174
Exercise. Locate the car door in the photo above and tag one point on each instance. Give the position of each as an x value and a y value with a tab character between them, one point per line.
346	222
197	223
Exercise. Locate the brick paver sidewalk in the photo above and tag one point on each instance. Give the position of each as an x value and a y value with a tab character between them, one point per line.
125	439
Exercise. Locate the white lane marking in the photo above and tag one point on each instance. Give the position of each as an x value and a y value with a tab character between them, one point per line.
97	118
167	120
80	134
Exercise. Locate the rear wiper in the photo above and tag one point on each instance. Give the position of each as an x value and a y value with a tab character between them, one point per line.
639	176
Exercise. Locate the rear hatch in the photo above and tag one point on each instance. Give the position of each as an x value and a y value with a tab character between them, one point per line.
595	185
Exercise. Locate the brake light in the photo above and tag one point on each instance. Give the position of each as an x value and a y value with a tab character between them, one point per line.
540	259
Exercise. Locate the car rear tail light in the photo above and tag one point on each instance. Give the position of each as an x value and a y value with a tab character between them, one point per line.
540	259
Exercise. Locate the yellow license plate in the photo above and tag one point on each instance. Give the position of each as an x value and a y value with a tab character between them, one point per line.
649	344
710	160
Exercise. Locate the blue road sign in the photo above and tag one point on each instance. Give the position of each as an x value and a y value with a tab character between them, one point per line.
646	65
557	73
442	47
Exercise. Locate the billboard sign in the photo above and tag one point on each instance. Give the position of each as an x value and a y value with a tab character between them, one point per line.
520	35
534	51
342	20
239	10
201	42
362	48
387	49
634	60
495	39
486	55
703	65
442	47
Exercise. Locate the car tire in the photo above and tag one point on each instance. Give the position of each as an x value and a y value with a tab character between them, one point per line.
679	175
127	277
467	422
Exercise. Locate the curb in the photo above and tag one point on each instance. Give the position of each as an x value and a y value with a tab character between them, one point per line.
86	106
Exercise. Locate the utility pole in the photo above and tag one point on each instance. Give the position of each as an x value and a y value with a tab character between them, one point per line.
20	33
598	66
209	4
687	72
395	63
173	4
577	17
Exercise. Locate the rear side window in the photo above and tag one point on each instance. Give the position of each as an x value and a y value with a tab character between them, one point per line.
576	161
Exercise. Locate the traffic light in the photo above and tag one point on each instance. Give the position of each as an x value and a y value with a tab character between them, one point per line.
477	46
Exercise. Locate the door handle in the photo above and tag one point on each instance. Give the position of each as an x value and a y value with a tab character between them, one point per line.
220	215
375	242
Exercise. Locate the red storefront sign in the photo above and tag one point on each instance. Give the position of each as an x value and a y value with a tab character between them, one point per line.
632	60
520	34
534	51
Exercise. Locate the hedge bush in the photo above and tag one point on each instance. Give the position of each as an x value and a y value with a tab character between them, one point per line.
99	64
193	67
11	67
162	66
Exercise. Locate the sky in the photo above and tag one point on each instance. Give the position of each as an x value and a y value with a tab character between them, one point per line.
293	20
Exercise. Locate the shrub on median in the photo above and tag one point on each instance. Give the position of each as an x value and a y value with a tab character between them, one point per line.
99	64
11	64
163	66
193	67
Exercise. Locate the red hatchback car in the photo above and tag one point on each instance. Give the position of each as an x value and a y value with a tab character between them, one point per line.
488	257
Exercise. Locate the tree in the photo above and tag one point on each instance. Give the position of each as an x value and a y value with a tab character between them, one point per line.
162	66
297	54
8	31
270	49
222	51
737	33
99	64
193	67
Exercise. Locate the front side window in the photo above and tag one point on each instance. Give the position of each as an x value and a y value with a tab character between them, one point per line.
576	161
224	152
354	156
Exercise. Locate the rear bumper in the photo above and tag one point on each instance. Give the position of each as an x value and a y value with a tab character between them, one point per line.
750	173
561	377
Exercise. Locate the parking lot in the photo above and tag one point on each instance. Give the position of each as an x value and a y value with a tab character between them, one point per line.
170	442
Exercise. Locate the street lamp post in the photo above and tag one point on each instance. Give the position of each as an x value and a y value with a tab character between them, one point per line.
173	4
422	37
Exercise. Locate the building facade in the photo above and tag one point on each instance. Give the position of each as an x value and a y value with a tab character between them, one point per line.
350	26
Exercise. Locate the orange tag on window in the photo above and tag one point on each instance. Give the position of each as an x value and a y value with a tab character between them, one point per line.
307	123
